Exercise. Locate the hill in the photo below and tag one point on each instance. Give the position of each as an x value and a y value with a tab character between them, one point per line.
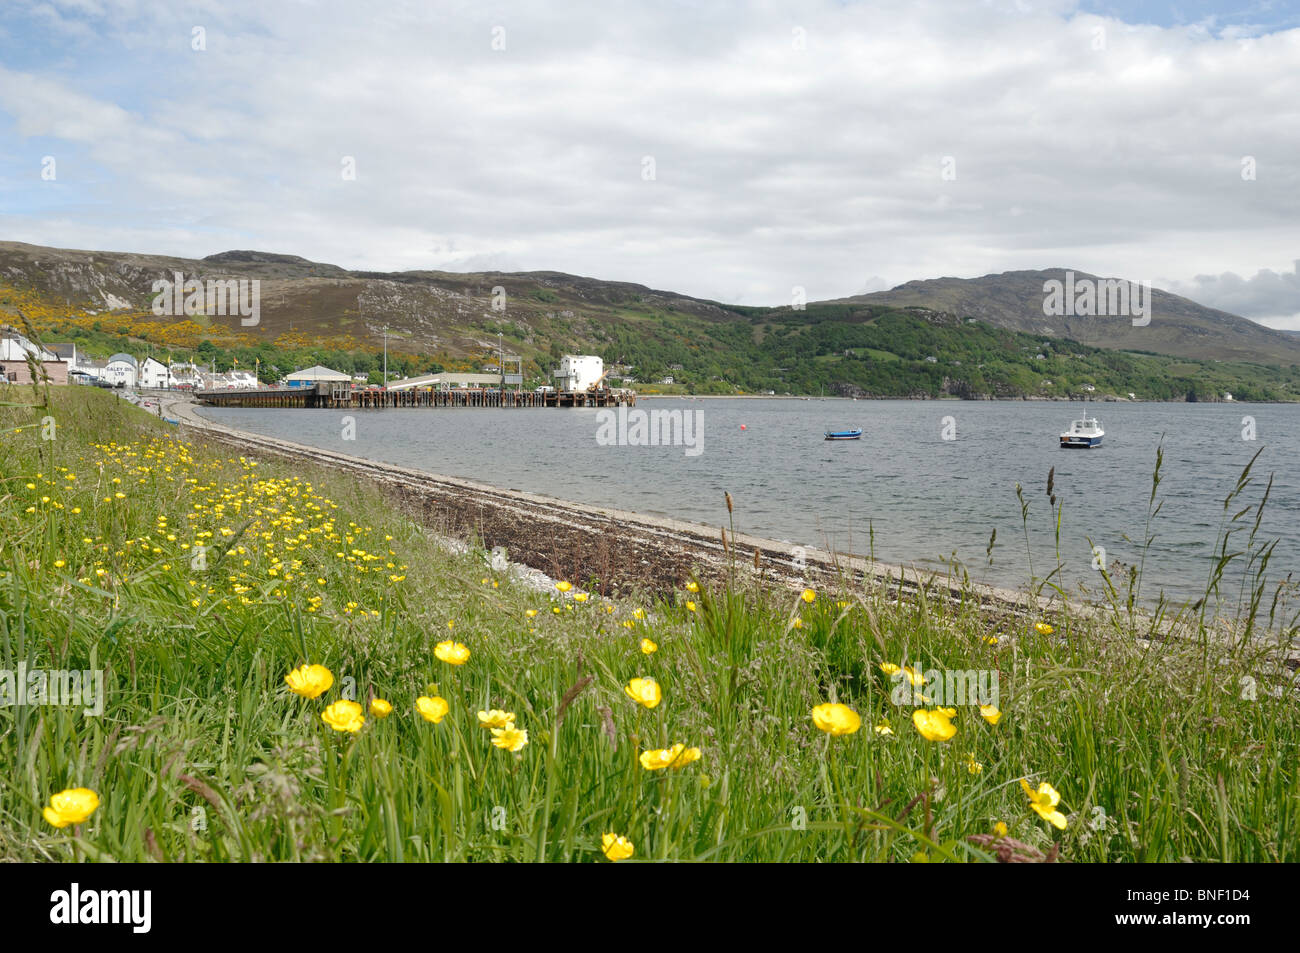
961	344
1014	300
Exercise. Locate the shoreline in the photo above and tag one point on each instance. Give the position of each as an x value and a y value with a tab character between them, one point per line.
624	550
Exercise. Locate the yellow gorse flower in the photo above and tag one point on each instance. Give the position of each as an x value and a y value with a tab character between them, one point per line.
1044	801
676	757
432	709
836	719
496	718
71	806
380	708
453	653
509	738
616	847
644	691
934	725
344	715
309	681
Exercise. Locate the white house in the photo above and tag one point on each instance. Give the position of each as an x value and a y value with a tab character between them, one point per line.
186	375
88	370
154	373
15	347
230	380
121	369
14	351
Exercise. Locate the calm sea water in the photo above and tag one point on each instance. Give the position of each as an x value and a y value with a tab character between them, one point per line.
924	497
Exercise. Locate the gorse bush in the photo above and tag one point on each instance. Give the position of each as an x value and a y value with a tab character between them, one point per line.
294	671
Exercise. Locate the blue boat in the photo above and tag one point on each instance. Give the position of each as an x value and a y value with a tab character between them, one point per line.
843	434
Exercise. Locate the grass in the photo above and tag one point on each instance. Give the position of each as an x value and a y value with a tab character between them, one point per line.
203	754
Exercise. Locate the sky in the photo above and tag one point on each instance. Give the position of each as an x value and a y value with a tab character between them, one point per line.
732	151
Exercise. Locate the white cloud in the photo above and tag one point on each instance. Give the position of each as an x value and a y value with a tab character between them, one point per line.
1271	297
774	166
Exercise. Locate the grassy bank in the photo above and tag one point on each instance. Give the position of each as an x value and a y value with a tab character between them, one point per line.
196	580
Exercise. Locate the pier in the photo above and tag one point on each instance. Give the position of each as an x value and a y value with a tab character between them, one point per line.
344	397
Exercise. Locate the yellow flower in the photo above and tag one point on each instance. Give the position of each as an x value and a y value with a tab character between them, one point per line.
889	668
380	708
71	806
1044	802
797	623
616	847
496	718
973	766
638	613
933	725
884	729
509	738
690	606
563	586
678	756
990	714
453	653
692	586
1000	829
580	597
432	709
808	595
836	719
644	691
530	613
1043	628
344	715
648	647
309	681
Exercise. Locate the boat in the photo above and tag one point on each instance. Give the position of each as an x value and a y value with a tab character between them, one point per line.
843	434
1083	433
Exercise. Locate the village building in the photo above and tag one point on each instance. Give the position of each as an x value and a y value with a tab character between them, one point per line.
316	374
445	381
154	373
121	370
15	349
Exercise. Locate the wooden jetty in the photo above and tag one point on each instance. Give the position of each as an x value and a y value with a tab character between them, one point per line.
344	396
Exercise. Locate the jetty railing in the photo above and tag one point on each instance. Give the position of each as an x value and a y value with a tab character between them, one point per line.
341	396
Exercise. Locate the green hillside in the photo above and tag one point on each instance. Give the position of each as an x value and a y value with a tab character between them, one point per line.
320	314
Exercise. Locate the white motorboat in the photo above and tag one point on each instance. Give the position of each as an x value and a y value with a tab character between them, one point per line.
1083	433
